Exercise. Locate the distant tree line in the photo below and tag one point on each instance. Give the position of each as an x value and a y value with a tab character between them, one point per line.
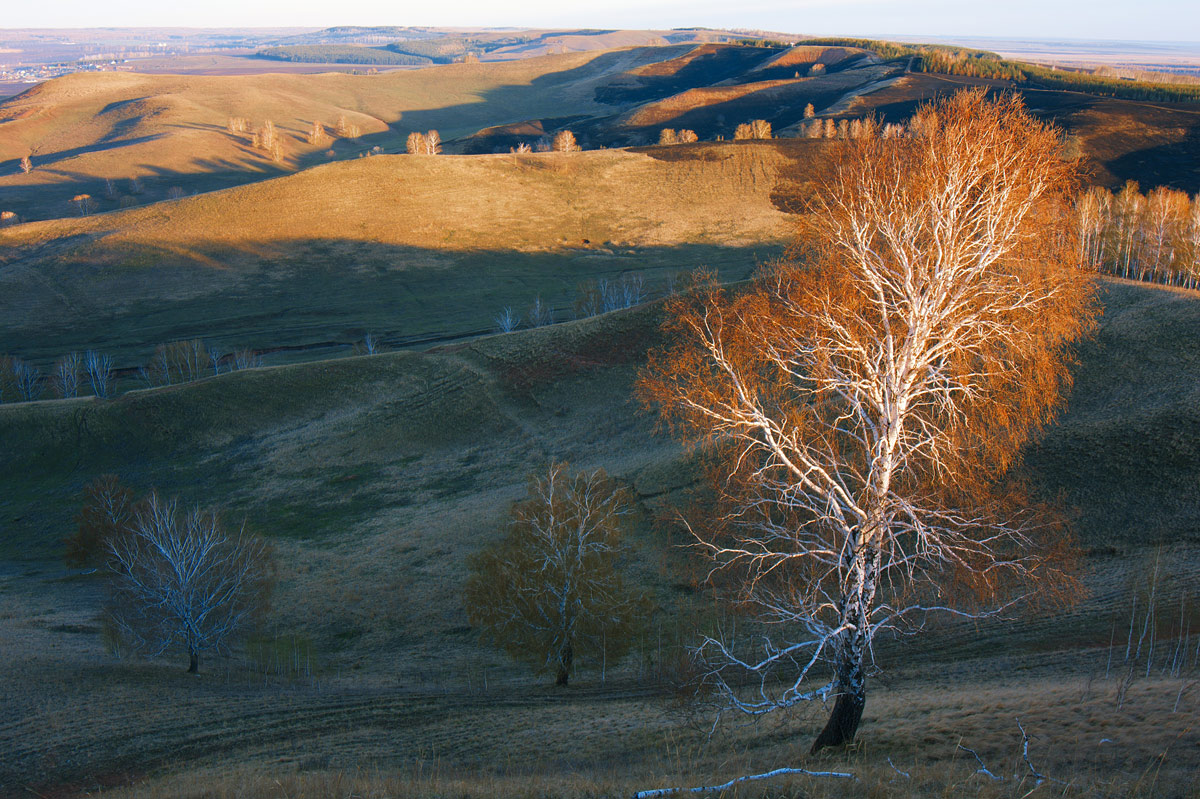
341	54
948	60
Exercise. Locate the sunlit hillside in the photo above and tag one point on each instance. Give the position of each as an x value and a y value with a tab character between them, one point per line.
411	248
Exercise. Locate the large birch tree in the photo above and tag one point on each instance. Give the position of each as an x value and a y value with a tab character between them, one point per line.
868	395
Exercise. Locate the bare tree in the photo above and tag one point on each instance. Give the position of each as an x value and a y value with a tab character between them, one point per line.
433	142
564	142
27	378
26	164
687	136
550	592
346	129
66	375
317	135
809	111
540	314
244	359
108	508
868	401
99	371
522	147
178	362
182	579
416	143
668	136
237	124
507	321
84	203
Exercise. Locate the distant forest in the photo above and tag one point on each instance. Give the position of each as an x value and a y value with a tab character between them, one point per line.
948	60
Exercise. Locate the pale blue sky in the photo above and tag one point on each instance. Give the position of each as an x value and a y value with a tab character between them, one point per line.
1104	19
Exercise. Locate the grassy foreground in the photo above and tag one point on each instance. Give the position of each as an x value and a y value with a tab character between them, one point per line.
376	476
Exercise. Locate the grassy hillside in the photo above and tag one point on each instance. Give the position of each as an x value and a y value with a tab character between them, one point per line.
409	248
94	133
170	131
376	476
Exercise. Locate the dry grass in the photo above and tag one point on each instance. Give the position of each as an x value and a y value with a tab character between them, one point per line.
169	130
378	475
410	248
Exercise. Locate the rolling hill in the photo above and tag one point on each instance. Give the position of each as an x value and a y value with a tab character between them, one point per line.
94	133
376	476
413	249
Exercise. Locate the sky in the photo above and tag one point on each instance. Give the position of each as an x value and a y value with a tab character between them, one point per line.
1163	20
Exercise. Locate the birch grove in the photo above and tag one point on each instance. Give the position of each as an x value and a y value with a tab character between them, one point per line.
866	397
1153	237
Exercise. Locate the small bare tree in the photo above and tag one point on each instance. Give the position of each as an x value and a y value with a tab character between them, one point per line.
84	203
668	136
809	111
26	164
66	375
244	359
564	142
99	371
522	148
182	579
687	136
540	314
317	135
108	509
507	321
550	592
415	144
867	401
433	143
27	378
237	124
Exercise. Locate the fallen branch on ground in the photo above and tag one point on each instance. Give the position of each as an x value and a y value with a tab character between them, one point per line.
779	772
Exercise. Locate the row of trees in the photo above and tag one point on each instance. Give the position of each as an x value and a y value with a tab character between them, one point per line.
73	374
21	381
593	297
1154	237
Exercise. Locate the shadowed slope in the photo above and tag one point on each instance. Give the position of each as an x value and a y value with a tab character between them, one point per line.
400	245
